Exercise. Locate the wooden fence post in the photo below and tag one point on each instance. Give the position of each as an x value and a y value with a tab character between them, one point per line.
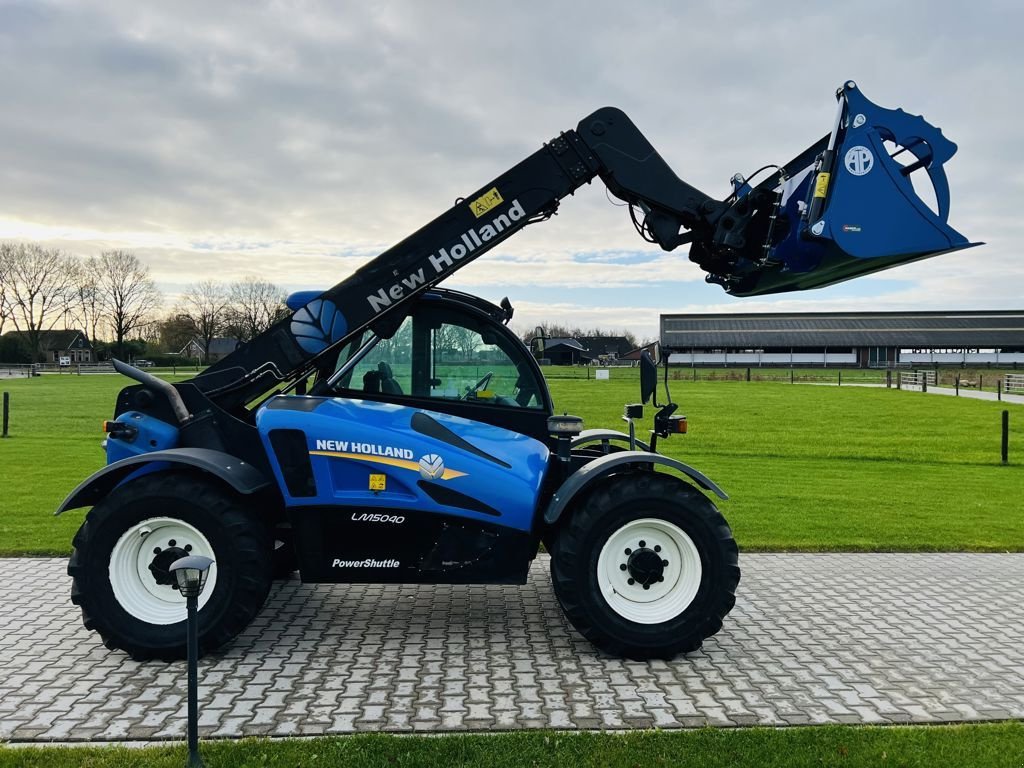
7	411
1006	436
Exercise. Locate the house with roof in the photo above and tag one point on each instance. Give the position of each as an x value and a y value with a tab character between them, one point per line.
219	348
68	344
563	351
193	350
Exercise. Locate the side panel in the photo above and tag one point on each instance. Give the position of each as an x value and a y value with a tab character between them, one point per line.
402	546
153	435
359	454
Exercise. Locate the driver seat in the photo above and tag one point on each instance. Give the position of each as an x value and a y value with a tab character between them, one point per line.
388	384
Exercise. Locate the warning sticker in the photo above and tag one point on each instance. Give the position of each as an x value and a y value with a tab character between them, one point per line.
821	185
378	482
486	201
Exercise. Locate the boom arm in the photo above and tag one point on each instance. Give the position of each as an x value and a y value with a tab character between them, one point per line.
758	240
528	192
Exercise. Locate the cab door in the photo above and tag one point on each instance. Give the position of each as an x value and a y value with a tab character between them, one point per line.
452	358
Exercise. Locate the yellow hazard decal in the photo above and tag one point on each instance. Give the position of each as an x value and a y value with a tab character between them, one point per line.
821	185
486	201
378	482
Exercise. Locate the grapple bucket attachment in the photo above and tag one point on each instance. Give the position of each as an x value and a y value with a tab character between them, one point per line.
849	205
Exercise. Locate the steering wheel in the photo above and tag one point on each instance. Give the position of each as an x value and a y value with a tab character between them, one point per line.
482	384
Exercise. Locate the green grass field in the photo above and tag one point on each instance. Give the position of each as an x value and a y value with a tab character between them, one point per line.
841	468
986	379
807	467
997	745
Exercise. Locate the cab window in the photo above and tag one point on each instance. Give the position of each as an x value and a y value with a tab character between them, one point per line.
444	353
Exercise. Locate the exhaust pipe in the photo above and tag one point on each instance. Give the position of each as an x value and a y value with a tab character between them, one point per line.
152	383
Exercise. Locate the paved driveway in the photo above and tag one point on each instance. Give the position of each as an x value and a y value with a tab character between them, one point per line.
831	638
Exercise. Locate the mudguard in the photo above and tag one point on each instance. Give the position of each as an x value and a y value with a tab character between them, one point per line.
243	477
604	435
605	465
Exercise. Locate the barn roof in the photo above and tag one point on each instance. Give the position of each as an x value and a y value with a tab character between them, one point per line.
563	342
979	329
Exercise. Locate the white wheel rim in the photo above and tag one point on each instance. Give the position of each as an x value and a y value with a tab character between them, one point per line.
662	600
136	589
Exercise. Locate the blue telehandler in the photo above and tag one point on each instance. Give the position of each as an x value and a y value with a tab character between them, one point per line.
388	430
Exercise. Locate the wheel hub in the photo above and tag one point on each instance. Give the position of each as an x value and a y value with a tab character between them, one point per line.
162	561
139	568
649	570
646	567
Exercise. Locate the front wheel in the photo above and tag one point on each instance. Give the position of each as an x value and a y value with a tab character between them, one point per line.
646	567
123	551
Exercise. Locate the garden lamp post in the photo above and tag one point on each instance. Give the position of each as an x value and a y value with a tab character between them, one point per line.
190	573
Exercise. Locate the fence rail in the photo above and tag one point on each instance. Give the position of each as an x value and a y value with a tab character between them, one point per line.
916	380
19	370
1014	382
15	371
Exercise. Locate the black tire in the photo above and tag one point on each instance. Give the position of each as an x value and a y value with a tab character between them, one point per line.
613	504
242	549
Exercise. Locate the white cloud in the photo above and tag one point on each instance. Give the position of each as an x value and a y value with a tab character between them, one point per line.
296	140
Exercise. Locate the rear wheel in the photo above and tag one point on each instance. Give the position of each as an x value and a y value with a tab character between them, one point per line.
646	567
128	542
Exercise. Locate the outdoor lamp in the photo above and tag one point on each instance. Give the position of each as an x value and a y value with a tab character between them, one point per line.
190	573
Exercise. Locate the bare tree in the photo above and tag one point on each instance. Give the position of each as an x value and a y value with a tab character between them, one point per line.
39	288
149	330
560	331
176	331
445	341
465	340
253	306
127	292
206	305
5	310
87	311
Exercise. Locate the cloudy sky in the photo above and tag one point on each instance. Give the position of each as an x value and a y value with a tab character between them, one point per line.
296	140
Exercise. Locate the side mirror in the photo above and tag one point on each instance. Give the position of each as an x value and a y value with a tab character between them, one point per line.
506	310
649	374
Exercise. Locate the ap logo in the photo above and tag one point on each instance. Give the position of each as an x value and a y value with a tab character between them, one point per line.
431	467
859	160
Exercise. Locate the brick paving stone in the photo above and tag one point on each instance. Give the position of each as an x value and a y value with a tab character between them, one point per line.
814	638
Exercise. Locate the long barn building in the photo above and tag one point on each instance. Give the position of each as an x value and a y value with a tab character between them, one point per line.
857	339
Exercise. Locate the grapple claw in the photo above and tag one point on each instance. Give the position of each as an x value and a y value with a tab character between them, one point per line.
846	207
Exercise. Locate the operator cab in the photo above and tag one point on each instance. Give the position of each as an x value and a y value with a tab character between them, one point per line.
451	352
